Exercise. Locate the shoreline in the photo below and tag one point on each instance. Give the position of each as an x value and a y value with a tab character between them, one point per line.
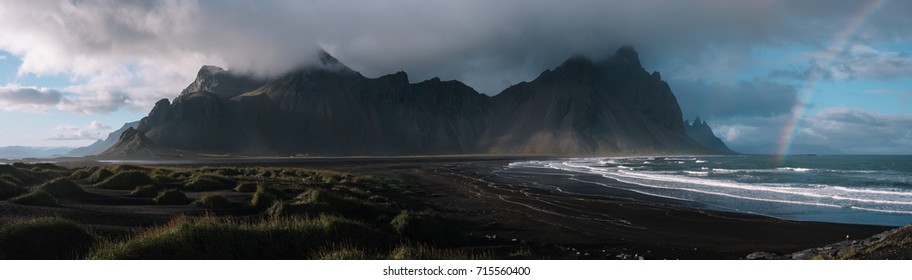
593	226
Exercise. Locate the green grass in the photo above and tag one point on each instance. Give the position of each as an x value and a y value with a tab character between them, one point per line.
344	252
8	190
147	191
60	187
212	201
426	226
164	179
127	180
171	197
894	246
209	182
45	238
211	238
35	198
120	168
316	201
425	252
100	175
246	187
81	174
263	198
22	174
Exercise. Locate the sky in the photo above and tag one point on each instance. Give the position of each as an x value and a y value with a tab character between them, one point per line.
769	76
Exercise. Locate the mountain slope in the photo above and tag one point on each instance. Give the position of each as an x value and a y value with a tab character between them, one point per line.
586	107
101	145
581	107
703	134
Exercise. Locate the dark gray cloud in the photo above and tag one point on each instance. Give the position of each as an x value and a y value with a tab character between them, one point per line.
830	131
713	101
26	98
859	132
95	104
131	53
487	44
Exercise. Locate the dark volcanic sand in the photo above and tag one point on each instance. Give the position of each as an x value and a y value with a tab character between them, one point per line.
585	226
554	224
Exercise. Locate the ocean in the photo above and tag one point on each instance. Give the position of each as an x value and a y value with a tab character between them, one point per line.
875	190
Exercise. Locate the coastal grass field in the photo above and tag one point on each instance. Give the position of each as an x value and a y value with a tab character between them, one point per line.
413	208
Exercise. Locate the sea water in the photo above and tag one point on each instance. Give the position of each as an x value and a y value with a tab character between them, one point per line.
873	190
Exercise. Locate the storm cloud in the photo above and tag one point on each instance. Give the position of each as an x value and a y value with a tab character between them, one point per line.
487	44
714	101
128	54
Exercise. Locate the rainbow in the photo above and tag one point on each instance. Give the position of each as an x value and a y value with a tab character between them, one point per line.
810	86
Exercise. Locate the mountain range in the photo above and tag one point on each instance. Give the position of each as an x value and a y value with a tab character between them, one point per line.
581	107
700	131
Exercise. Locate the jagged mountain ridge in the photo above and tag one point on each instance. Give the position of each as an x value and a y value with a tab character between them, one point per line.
700	131
581	107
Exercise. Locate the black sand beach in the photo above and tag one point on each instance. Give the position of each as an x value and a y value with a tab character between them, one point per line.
506	212
623	225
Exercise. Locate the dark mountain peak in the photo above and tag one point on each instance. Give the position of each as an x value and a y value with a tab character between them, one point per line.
657	75
224	83
209	70
133	143
700	131
398	78
161	110
627	55
327	59
327	66
445	87
329	62
324	108
576	62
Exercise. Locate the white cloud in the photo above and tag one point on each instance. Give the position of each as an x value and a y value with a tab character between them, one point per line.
93	131
834	130
146	50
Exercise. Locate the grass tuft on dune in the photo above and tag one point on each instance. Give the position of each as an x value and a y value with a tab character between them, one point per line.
212	201
127	180
210	238
45	239
60	187
35	198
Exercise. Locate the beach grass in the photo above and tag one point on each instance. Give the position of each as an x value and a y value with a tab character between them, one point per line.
45	239
9	190
212	201
171	197
60	187
126	180
427	226
147	191
35	198
212	238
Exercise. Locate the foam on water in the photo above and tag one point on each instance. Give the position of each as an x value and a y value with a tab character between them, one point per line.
818	188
